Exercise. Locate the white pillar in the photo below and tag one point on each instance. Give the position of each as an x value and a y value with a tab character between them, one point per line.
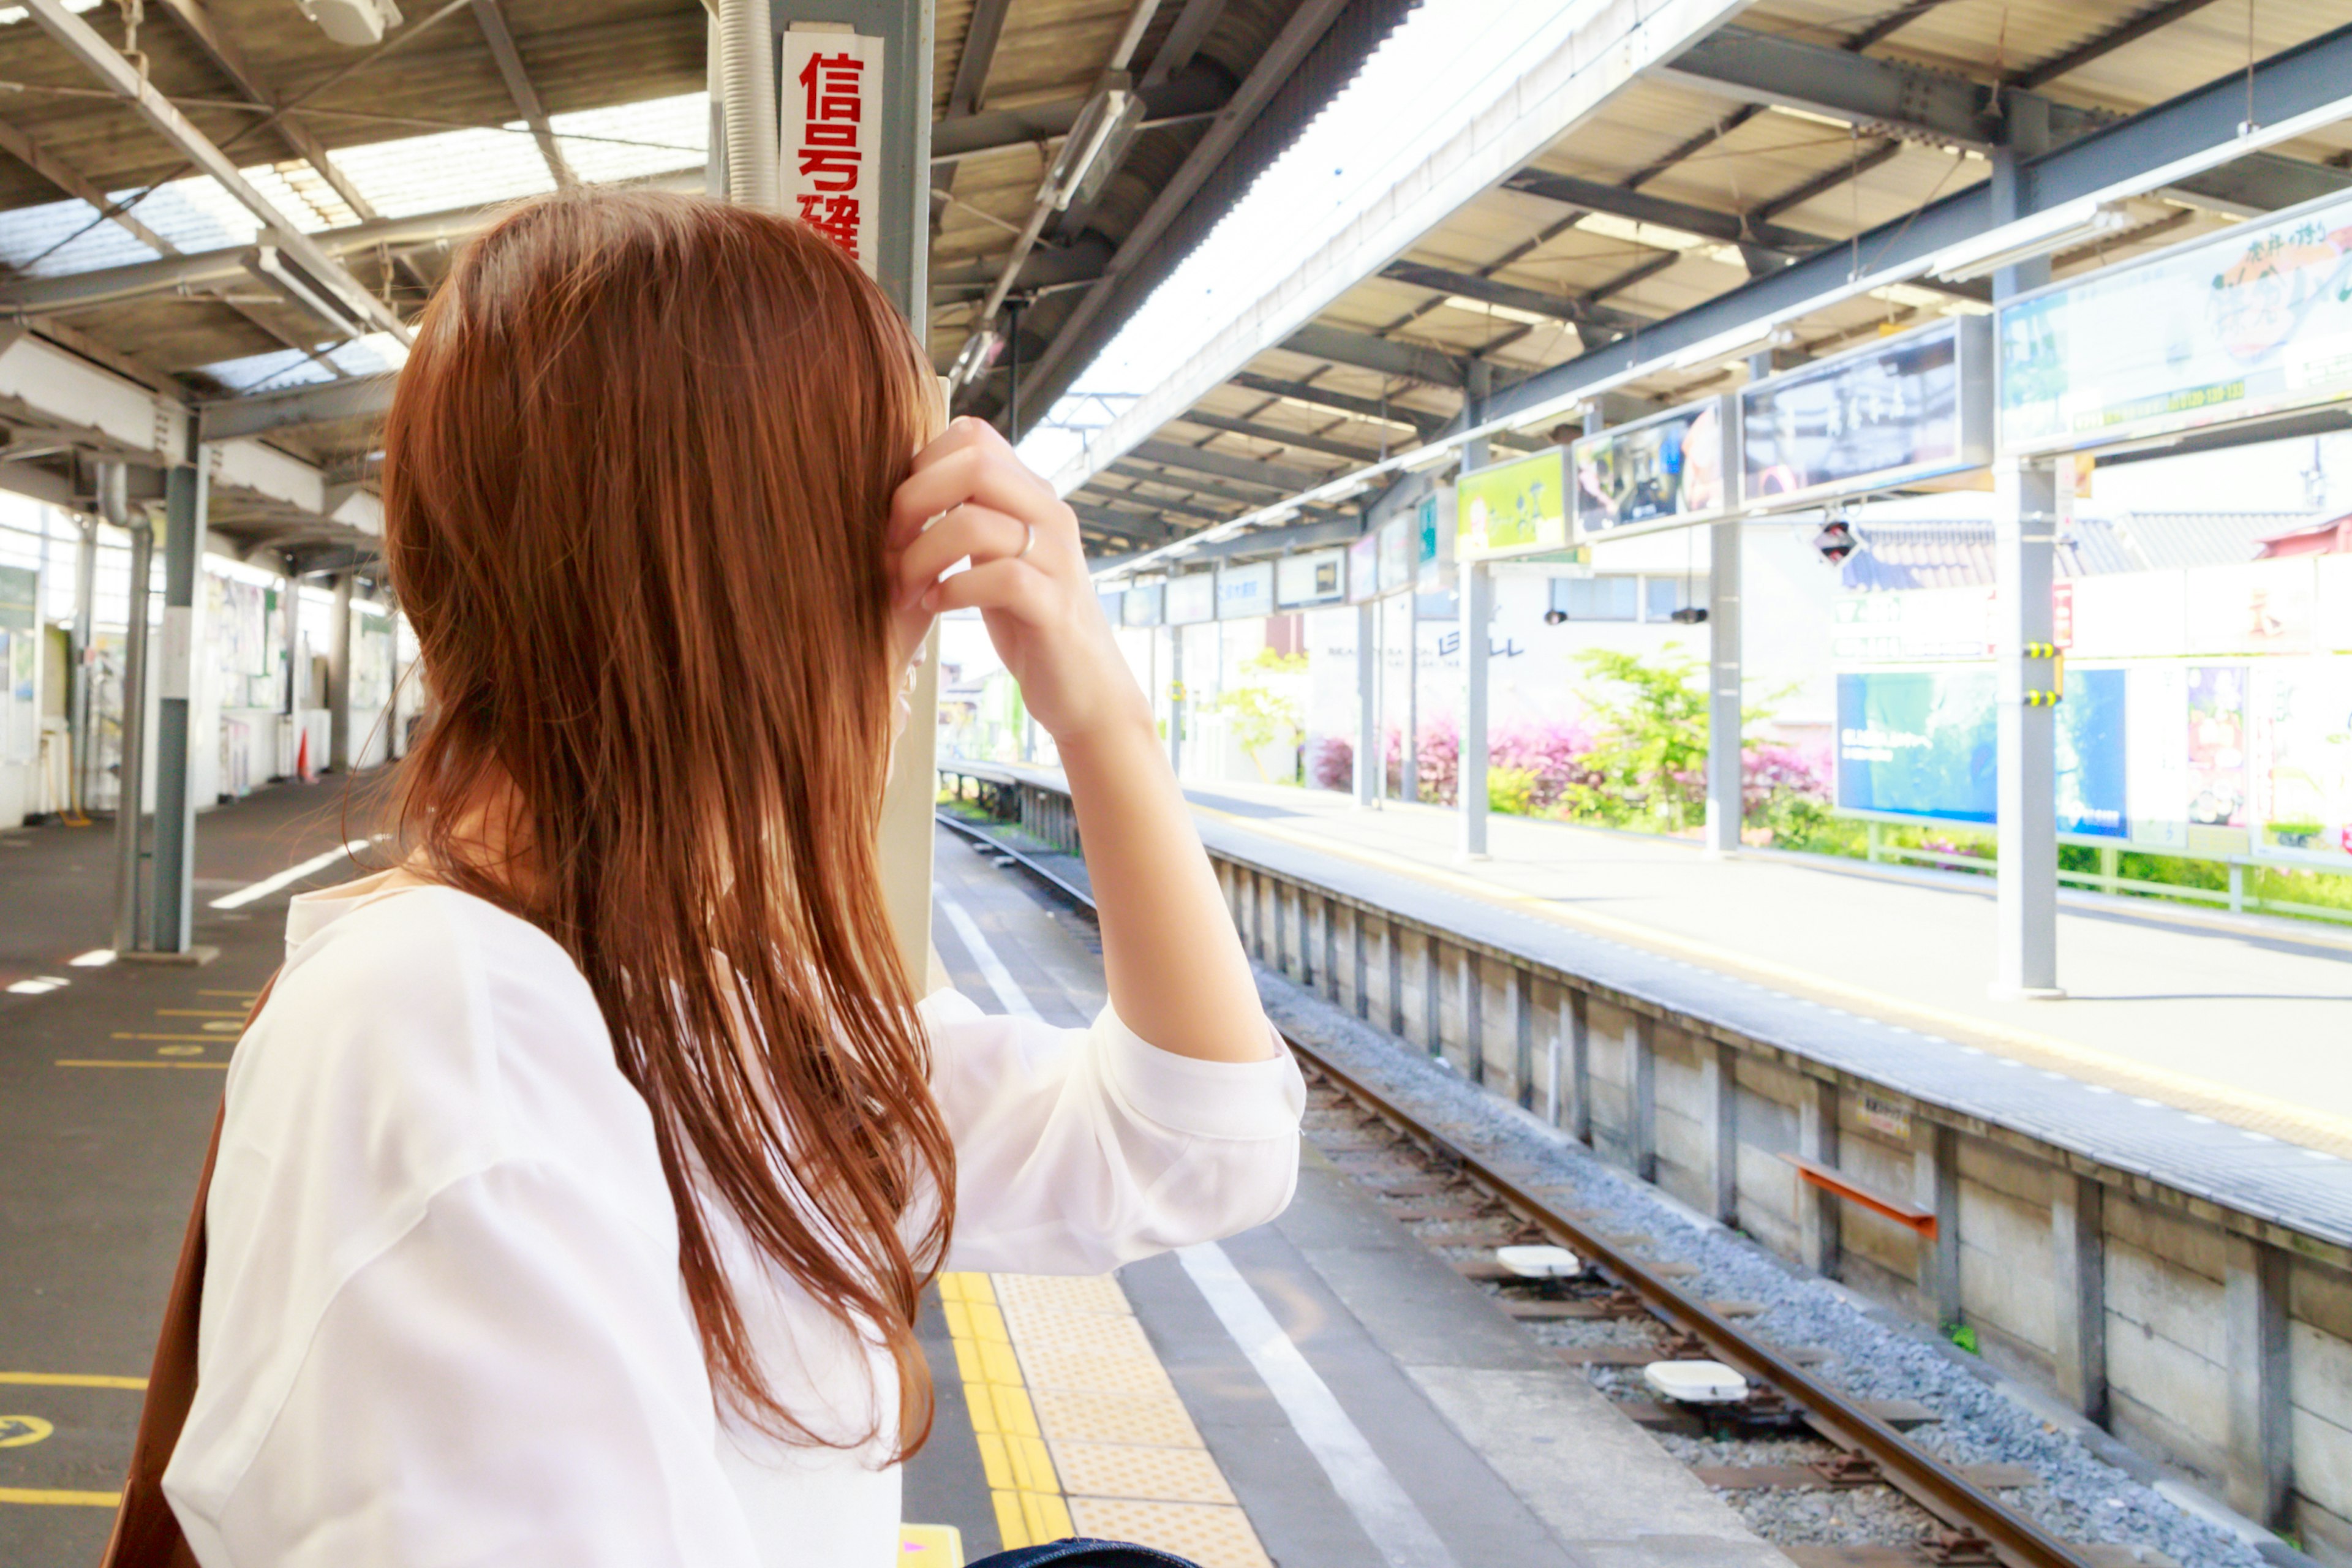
338	678
1723	737
1368	702
1478	598
1409	742
2025	527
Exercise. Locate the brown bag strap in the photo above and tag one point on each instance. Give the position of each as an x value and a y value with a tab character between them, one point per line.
146	1532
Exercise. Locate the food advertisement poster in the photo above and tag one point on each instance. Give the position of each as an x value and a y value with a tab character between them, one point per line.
1661	473
2252	321
1900	410
1519	507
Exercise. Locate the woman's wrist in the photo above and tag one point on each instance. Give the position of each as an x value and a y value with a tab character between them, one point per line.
1123	724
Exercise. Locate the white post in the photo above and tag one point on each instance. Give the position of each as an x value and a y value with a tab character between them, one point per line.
1724	808
1477	599
2026	828
1409	742
1368	702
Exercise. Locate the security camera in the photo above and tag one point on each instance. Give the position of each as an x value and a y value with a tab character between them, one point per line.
1555	617
1689	615
1836	541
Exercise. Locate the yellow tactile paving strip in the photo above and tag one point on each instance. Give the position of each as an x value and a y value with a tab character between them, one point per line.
1080	1430
2291	1123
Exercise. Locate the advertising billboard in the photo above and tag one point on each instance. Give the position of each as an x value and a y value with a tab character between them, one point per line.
2252	321
1364	568
1664	471
1519	507
1398	538
1922	743
1908	409
1141	607
1317	577
1191	598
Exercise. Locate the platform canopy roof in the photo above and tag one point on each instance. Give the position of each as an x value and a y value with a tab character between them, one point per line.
1682	173
222	223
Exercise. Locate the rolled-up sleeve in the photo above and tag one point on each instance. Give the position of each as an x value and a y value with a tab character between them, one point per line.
1079	1150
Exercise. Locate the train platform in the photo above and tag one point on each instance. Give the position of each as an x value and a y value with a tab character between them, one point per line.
1320	1390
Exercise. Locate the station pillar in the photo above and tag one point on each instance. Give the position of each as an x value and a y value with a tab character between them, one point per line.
1409	742
338	678
1368	702
1474	597
186	493
1176	701
84	710
2025	530
1724	772
131	789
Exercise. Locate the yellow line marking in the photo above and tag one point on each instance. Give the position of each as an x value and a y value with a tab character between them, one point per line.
2240	1108
37	1498
931	1546
84	1062
133	1035
195	1013
1021	1485
23	1431
241	996
71	1379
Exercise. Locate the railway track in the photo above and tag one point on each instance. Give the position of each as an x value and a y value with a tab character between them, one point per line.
1974	1526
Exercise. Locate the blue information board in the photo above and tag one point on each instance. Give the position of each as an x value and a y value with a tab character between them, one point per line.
1922	743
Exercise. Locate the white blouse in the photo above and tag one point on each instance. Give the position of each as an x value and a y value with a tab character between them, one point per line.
443	1320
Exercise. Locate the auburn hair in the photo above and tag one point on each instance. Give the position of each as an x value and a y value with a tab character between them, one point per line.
636	474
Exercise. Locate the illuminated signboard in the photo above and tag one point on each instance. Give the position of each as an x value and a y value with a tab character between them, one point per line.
1519	507
1191	598
2255	321
1396	549
1244	591
1364	568
1911	407
1141	607
1318	577
1668	471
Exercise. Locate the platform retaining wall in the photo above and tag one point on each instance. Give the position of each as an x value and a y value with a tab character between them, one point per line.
2216	1343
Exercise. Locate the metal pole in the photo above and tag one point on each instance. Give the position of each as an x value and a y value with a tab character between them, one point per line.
130	792
175	708
2025	529
1724	800
85	611
338	678
1176	701
1474	597
1368	702
1408	764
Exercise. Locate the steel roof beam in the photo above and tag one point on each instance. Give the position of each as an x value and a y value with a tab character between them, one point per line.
81	40
1297	439
1579	313
1371	410
1383	356
1635	207
1191	94
1126	524
2114	39
1191	485
1226	465
362	397
495	33
1103	495
2309	79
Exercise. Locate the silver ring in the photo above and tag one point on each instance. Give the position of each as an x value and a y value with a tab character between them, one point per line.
1029	543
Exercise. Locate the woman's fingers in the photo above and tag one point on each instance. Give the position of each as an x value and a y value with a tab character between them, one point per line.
1013	586
978	532
975	472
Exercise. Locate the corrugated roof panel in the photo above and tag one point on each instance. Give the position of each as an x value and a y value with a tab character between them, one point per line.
448	169
633	141
65	237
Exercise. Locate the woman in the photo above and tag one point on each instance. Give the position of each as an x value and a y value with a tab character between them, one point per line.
580	1176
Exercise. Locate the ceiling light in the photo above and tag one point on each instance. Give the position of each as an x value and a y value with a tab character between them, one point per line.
1428	457
1502	313
1734	344
2027	241
1105	125
980	351
314	294
355	24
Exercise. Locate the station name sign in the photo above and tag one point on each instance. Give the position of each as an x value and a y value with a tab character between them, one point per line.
2254	322
1668	471
1909	409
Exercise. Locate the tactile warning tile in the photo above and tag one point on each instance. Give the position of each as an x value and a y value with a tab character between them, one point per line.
1136	1472
1078	1415
1103	1371
1211	1536
1080	1334
1097	1293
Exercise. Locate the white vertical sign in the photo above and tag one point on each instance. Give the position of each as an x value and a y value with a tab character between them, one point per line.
830	135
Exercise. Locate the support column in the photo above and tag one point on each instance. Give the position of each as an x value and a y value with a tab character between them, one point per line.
1474	1015
1409	742
1523	1038
185	494
1176	701
2025	529
1576	1023
1392	953
1719	1070
131	791
1362	963
1724	774
1432	997
1368	703
1817	1209
1478	600
2254	1307
83	717
1935	1187
2078	1291
338	678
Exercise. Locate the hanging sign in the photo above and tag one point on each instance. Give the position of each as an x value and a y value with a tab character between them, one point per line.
1519	507
1911	407
1364	568
1668	471
2252	321
1140	607
1318	577
1191	598
830	135
1243	592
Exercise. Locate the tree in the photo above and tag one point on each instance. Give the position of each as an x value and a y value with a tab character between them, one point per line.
1262	712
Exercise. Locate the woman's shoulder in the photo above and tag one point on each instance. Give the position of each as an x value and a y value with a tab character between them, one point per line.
463	1034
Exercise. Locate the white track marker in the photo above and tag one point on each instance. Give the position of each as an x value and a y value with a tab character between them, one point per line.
992	969
1397	1527
293	874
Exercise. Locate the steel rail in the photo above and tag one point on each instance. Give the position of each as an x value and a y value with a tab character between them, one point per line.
2018	1540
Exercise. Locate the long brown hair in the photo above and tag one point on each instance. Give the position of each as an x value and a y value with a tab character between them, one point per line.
636	473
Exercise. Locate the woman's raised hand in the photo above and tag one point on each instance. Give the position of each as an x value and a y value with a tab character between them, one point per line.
970	498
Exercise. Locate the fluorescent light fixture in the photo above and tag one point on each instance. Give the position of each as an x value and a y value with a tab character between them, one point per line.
978	353
1109	119
1502	313
1428	457
1733	344
1273	515
321	299
2027	239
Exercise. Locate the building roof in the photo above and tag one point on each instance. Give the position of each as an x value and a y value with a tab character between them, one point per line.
1957	553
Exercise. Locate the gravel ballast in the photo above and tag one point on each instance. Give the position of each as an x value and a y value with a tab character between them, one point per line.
2081	1497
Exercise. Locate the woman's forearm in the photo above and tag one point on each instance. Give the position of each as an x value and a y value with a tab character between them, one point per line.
1177	974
